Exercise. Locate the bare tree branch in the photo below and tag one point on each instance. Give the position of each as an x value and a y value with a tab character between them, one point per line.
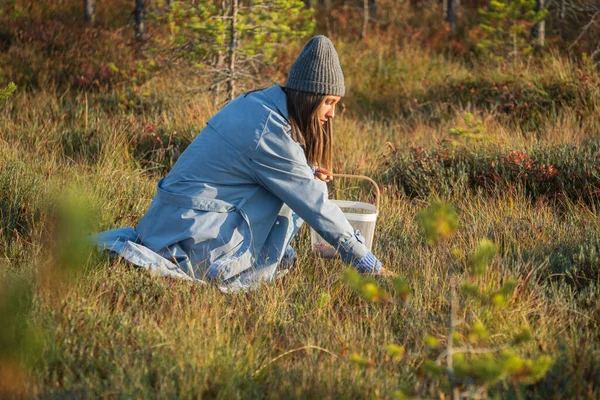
584	30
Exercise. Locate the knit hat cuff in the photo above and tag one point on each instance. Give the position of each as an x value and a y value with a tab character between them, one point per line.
316	87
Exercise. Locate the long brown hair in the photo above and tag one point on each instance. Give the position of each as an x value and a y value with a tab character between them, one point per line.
316	139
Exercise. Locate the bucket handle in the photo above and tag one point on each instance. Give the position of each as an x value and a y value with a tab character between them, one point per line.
377	192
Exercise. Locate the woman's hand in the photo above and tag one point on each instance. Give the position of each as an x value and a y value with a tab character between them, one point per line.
323	175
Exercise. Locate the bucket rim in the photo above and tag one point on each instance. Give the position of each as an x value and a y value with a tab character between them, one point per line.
371	216
361	217
356	204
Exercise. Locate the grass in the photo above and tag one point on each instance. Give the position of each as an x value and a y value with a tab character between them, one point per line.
106	329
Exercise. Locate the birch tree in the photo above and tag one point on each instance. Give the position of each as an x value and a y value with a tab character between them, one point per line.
369	10
539	29
89	10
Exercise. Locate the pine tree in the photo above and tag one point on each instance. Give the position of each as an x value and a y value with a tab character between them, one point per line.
506	25
232	40
7	91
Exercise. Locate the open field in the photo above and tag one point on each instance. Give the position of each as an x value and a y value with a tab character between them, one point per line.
91	327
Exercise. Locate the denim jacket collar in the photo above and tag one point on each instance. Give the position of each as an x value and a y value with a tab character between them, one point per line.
279	99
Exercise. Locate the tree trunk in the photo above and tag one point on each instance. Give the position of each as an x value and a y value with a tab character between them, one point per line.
327	5
220	57
562	9
538	31
596	57
138	14
89	10
365	19
451	14
232	49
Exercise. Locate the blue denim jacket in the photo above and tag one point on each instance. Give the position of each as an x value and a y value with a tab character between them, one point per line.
233	201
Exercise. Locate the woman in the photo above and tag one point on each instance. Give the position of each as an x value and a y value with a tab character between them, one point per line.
235	198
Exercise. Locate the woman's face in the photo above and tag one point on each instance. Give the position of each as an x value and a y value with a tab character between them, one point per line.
326	110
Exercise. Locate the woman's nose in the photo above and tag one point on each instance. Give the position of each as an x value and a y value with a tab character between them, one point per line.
330	113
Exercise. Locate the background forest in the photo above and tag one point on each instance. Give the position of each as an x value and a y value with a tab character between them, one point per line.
479	119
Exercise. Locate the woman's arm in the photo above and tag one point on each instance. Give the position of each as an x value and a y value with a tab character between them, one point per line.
279	164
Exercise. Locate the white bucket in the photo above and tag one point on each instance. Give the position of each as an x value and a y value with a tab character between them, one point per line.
360	215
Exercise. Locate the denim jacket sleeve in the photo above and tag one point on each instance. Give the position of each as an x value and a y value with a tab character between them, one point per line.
279	164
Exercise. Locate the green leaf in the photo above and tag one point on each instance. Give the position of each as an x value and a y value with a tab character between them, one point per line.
438	222
431	342
508	287
397	352
482	256
540	367
365	286
462	368
400	395
498	299
487	369
478	332
359	361
352	278
468	119
457	131
323	300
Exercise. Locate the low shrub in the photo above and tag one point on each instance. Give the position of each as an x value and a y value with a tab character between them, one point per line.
559	171
522	102
576	262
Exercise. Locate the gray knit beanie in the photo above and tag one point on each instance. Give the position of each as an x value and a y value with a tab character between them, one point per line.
317	69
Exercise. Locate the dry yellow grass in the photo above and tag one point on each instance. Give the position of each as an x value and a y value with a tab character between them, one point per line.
116	332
